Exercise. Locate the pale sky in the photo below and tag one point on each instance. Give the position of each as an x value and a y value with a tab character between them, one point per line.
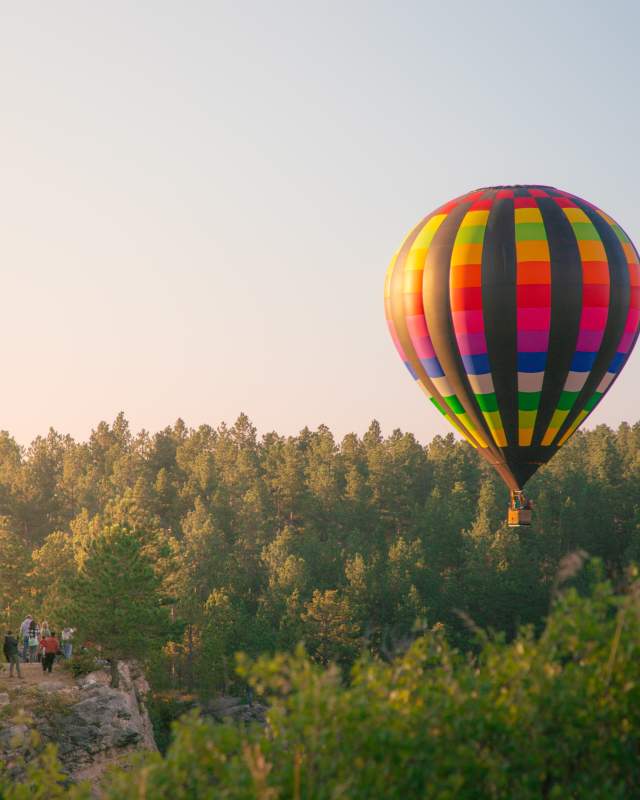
199	199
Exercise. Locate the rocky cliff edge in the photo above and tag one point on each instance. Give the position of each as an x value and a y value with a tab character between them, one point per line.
92	725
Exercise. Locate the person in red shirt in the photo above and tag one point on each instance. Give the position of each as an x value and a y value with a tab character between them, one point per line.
50	646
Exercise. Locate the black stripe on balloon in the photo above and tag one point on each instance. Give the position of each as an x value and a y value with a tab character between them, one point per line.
523	462
619	298
437	311
566	306
499	311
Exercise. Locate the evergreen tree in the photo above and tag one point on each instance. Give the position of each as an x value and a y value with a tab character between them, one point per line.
53	570
116	601
15	564
329	627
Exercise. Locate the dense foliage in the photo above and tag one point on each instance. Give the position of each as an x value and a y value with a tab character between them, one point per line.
555	716
258	544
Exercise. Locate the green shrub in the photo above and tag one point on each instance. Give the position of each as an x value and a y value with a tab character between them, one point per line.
81	663
164	709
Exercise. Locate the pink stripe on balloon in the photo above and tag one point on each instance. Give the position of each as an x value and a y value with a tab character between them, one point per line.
416	326
589	341
625	341
633	318
471	344
419	335
423	346
533	341
534	319
593	318
468	321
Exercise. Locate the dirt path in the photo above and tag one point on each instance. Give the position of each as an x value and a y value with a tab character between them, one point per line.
32	675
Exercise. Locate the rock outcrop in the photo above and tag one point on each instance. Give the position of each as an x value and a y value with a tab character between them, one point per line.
226	708
92	725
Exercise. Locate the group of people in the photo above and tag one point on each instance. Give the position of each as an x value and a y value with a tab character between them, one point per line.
38	643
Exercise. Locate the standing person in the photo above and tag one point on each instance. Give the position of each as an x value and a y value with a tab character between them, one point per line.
24	635
50	646
45	630
12	654
67	641
34	641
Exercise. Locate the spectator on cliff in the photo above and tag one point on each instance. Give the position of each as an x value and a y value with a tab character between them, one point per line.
50	647
24	636
34	641
12	654
67	641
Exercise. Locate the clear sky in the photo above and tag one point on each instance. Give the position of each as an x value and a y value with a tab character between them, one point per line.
199	199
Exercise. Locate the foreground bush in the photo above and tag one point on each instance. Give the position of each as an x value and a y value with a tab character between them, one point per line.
556	717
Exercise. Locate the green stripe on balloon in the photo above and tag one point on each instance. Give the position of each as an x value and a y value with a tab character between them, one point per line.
454	404
530	232
528	401
567	399
438	406
487	402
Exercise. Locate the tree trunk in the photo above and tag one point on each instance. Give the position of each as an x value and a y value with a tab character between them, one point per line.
190	660
172	660
115	675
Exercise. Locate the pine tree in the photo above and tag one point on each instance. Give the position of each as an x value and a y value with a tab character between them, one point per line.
53	568
116	600
15	564
329	626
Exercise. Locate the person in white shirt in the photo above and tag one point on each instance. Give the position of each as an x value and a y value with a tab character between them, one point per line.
67	641
24	635
34	641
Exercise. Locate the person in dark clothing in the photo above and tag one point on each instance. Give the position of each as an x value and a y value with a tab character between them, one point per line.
50	646
11	653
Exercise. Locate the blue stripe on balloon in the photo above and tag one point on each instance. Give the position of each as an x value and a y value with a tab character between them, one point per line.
582	362
618	361
412	372
476	365
532	362
432	367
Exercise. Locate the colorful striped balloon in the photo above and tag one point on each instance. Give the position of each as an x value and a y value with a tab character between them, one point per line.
515	308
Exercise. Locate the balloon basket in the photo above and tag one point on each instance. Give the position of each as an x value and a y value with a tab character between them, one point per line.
518	517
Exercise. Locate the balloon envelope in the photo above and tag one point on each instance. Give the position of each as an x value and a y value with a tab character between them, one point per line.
515	308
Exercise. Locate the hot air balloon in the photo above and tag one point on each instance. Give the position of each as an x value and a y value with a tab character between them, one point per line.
515	308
